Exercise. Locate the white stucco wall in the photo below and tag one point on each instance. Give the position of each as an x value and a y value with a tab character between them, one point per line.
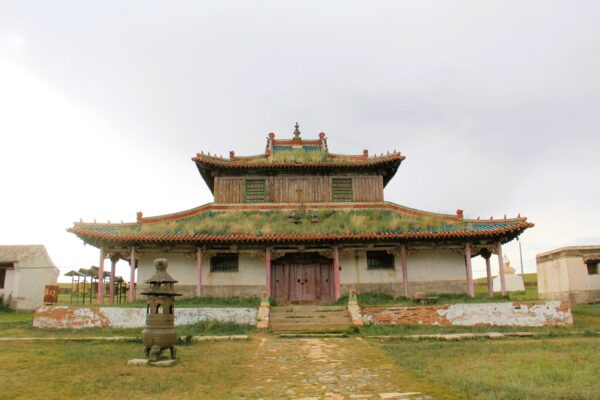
182	267
565	274
566	277
423	266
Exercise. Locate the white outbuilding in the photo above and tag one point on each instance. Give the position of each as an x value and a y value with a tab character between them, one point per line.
570	273
25	270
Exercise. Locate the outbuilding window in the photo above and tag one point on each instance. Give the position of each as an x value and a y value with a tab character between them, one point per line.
224	262
3	268
592	268
380	260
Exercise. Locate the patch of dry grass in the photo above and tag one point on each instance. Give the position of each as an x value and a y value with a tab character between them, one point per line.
97	370
277	221
565	368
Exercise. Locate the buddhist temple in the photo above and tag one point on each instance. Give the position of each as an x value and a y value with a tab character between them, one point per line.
306	225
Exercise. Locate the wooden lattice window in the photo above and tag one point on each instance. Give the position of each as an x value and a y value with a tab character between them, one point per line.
380	260
592	268
255	190
341	189
224	262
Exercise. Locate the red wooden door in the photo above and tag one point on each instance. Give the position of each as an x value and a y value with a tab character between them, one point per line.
300	279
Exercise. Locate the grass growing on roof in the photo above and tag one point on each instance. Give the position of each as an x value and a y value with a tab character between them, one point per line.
299	155
277	222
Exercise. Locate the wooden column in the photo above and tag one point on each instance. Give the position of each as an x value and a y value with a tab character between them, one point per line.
336	272
101	280
470	287
268	270
404	264
111	284
501	266
132	266
488	270
199	272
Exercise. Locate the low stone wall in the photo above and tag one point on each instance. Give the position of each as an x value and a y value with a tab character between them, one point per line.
63	317
551	313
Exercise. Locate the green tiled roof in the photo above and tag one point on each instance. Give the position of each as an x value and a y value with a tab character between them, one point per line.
257	224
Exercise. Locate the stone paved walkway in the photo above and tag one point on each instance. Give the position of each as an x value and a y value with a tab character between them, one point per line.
324	369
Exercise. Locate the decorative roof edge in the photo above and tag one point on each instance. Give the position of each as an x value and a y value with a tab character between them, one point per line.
292	206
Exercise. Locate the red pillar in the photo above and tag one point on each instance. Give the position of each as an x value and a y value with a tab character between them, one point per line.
336	272
404	264
470	287
111	284
268	270
488	270
132	265
199	272
501	265
101	277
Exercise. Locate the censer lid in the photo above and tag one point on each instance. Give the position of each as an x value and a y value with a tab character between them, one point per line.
160	275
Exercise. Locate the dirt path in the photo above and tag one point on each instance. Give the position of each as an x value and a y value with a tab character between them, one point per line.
328	368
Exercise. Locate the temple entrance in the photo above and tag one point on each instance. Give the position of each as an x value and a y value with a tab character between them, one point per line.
302	278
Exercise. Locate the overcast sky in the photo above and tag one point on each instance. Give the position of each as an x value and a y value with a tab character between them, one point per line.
496	106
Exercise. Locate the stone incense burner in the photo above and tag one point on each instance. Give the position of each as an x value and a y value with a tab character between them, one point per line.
159	333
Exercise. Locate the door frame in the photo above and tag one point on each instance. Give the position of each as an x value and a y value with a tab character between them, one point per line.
293	259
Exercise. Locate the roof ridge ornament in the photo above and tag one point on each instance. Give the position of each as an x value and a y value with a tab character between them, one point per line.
297	131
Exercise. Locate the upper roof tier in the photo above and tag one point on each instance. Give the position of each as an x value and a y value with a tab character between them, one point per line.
299	155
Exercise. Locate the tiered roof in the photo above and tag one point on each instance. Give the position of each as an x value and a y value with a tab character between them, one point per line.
271	223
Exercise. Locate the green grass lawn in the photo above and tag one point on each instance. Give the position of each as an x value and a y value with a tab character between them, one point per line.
99	370
560	368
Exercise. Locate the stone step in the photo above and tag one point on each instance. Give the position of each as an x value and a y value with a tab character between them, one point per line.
308	326
322	321
317	315
307	308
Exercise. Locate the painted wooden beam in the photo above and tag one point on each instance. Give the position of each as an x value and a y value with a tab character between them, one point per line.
469	270
488	270
268	270
132	265
198	271
336	272
501	266
111	283
101	277
404	265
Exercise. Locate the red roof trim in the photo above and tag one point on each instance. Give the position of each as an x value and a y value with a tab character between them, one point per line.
340	161
296	238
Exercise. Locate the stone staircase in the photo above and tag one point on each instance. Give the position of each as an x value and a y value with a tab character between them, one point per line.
307	318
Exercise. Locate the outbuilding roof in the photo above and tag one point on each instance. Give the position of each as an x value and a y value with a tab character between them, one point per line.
23	253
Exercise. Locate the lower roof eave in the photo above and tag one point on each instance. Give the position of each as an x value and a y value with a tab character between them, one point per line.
107	240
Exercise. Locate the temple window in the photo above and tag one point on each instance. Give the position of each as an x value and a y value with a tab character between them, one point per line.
255	190
170	309
341	189
592	268
159	309
380	260
148	309
224	262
